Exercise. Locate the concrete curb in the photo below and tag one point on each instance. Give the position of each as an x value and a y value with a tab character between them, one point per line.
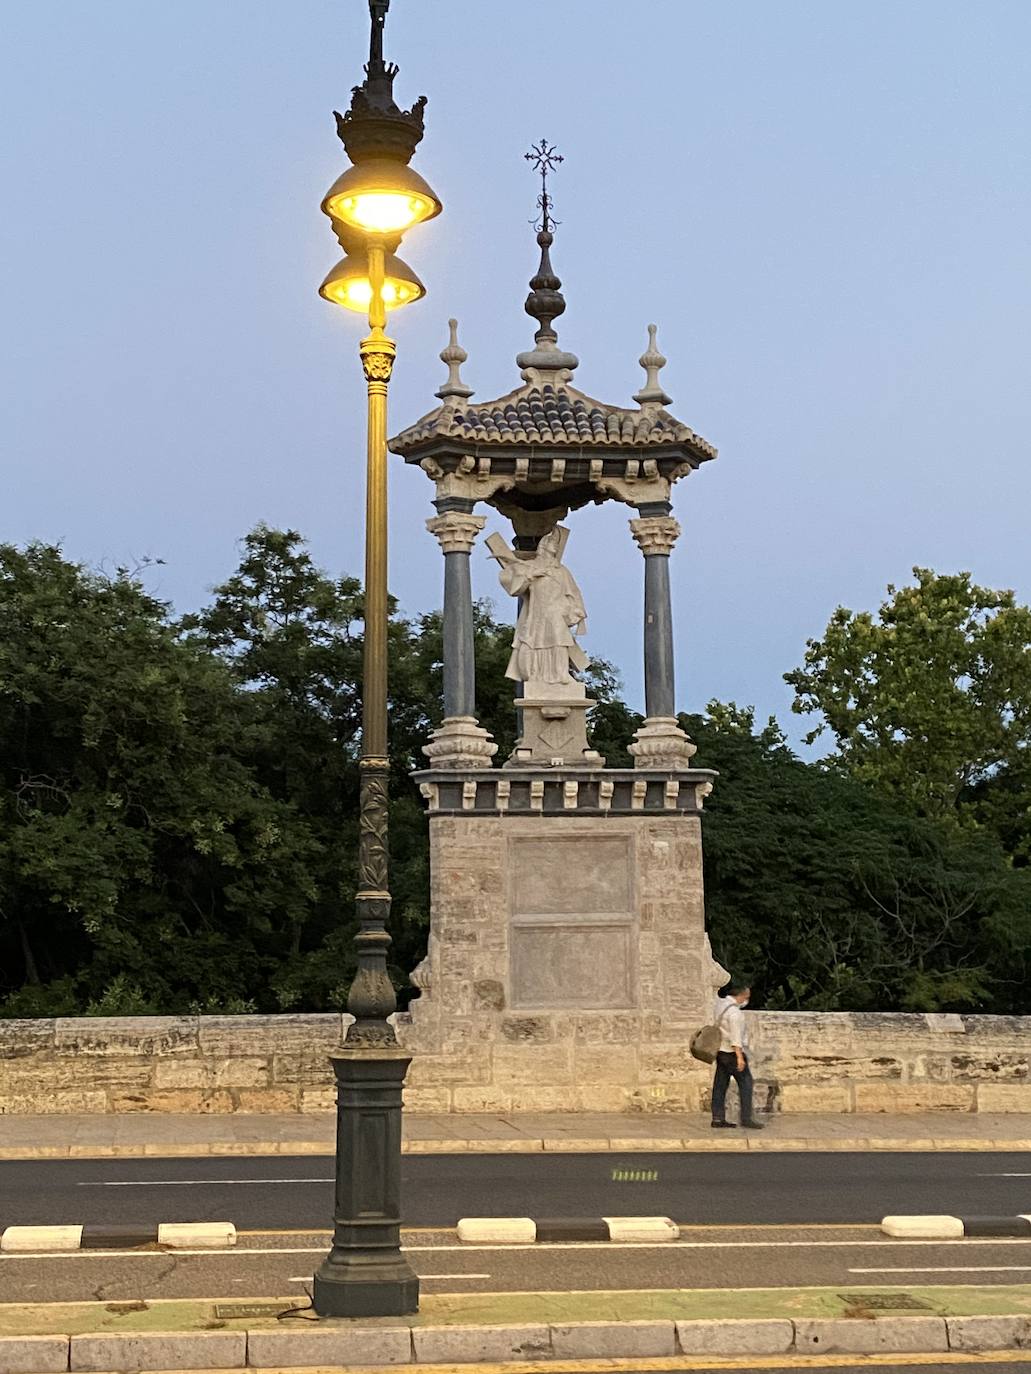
527	1231
342	1344
173	1235
952	1228
254	1149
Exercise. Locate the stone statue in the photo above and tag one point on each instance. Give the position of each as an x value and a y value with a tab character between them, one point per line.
551	614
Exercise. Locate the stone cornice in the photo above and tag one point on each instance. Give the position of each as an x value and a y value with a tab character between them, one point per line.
564	791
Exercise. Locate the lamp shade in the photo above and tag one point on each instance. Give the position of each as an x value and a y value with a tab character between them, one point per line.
381	197
348	284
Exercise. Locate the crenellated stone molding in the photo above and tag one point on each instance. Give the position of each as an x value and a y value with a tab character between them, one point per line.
655	535
564	791
455	530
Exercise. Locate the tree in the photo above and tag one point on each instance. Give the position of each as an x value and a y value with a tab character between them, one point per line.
142	866
931	701
832	897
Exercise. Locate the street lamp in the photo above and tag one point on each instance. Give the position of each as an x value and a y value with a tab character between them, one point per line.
371	205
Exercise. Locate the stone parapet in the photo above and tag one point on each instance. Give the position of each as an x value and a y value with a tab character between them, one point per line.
576	1059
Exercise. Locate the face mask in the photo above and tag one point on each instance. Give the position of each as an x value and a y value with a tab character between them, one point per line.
743	1004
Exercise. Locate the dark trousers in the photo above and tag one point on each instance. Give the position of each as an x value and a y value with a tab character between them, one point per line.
726	1069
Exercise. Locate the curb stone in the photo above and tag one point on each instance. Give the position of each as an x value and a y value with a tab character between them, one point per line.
952	1228
530	1145
134	1352
770	1336
343	1344
528	1231
201	1235
989	1333
864	1336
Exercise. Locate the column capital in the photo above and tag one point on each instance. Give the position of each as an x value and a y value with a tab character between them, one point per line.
655	534
456	530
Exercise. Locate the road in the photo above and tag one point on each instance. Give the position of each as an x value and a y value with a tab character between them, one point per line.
297	1193
272	1264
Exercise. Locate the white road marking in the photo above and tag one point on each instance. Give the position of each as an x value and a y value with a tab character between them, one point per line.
1004	1175
451	1277
189	1182
949	1269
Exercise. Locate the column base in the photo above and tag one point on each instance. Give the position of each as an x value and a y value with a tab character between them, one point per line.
660	743
460	743
363	1285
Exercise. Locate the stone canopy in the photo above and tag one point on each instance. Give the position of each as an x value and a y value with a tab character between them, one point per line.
556	446
548	446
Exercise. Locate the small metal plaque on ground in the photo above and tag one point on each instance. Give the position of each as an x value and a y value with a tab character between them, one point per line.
886	1302
224	1310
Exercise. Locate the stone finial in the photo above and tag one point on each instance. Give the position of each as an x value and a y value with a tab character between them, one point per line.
653	362
454	355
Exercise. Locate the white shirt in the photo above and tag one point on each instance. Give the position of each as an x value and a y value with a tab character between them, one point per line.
733	1028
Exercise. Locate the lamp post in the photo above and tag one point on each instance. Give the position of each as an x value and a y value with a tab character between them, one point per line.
371	205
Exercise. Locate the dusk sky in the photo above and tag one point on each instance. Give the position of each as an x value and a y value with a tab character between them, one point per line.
824	206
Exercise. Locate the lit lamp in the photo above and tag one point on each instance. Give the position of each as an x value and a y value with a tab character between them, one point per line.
371	205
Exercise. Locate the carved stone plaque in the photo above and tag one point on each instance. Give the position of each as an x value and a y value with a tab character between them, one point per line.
572	922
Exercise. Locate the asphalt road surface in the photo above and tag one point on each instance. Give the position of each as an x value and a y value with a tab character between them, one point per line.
273	1264
280	1192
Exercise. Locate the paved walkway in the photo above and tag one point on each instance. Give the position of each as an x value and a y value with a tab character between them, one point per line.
142	1133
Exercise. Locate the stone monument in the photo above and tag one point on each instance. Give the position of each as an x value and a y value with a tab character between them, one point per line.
568	963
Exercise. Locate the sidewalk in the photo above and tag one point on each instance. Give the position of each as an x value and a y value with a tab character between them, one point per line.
141	1133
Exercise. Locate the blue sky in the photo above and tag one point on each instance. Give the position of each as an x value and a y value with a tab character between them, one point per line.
824	206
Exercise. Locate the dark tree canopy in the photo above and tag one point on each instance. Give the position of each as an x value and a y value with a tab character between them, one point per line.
178	797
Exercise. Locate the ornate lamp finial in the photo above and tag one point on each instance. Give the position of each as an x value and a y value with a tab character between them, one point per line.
375	126
653	362
454	355
545	302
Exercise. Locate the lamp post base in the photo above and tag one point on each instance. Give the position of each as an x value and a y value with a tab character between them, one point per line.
363	1286
365	1274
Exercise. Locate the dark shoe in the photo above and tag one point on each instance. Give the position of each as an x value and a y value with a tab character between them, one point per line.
724	1126
753	1125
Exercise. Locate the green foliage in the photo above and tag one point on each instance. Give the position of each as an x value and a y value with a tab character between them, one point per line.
931	701
833	897
142	864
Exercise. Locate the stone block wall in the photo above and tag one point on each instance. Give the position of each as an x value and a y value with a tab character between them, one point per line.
168	1064
568	965
804	1062
889	1062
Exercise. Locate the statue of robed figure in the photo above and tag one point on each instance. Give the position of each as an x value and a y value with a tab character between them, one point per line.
551	613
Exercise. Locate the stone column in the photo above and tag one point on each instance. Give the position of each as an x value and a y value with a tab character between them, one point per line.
660	742
459	742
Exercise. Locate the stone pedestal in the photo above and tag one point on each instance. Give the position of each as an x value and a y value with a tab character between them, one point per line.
568	964
553	732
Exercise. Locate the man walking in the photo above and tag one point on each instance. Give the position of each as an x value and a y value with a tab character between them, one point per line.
731	1059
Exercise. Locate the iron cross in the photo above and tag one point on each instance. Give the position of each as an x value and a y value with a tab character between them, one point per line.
545	159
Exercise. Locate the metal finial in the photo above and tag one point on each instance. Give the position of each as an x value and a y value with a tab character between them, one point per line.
545	158
653	362
545	302
454	355
375	126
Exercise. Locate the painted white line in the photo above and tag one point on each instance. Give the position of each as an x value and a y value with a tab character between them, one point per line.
1004	1176
949	1269
451	1277
191	1182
